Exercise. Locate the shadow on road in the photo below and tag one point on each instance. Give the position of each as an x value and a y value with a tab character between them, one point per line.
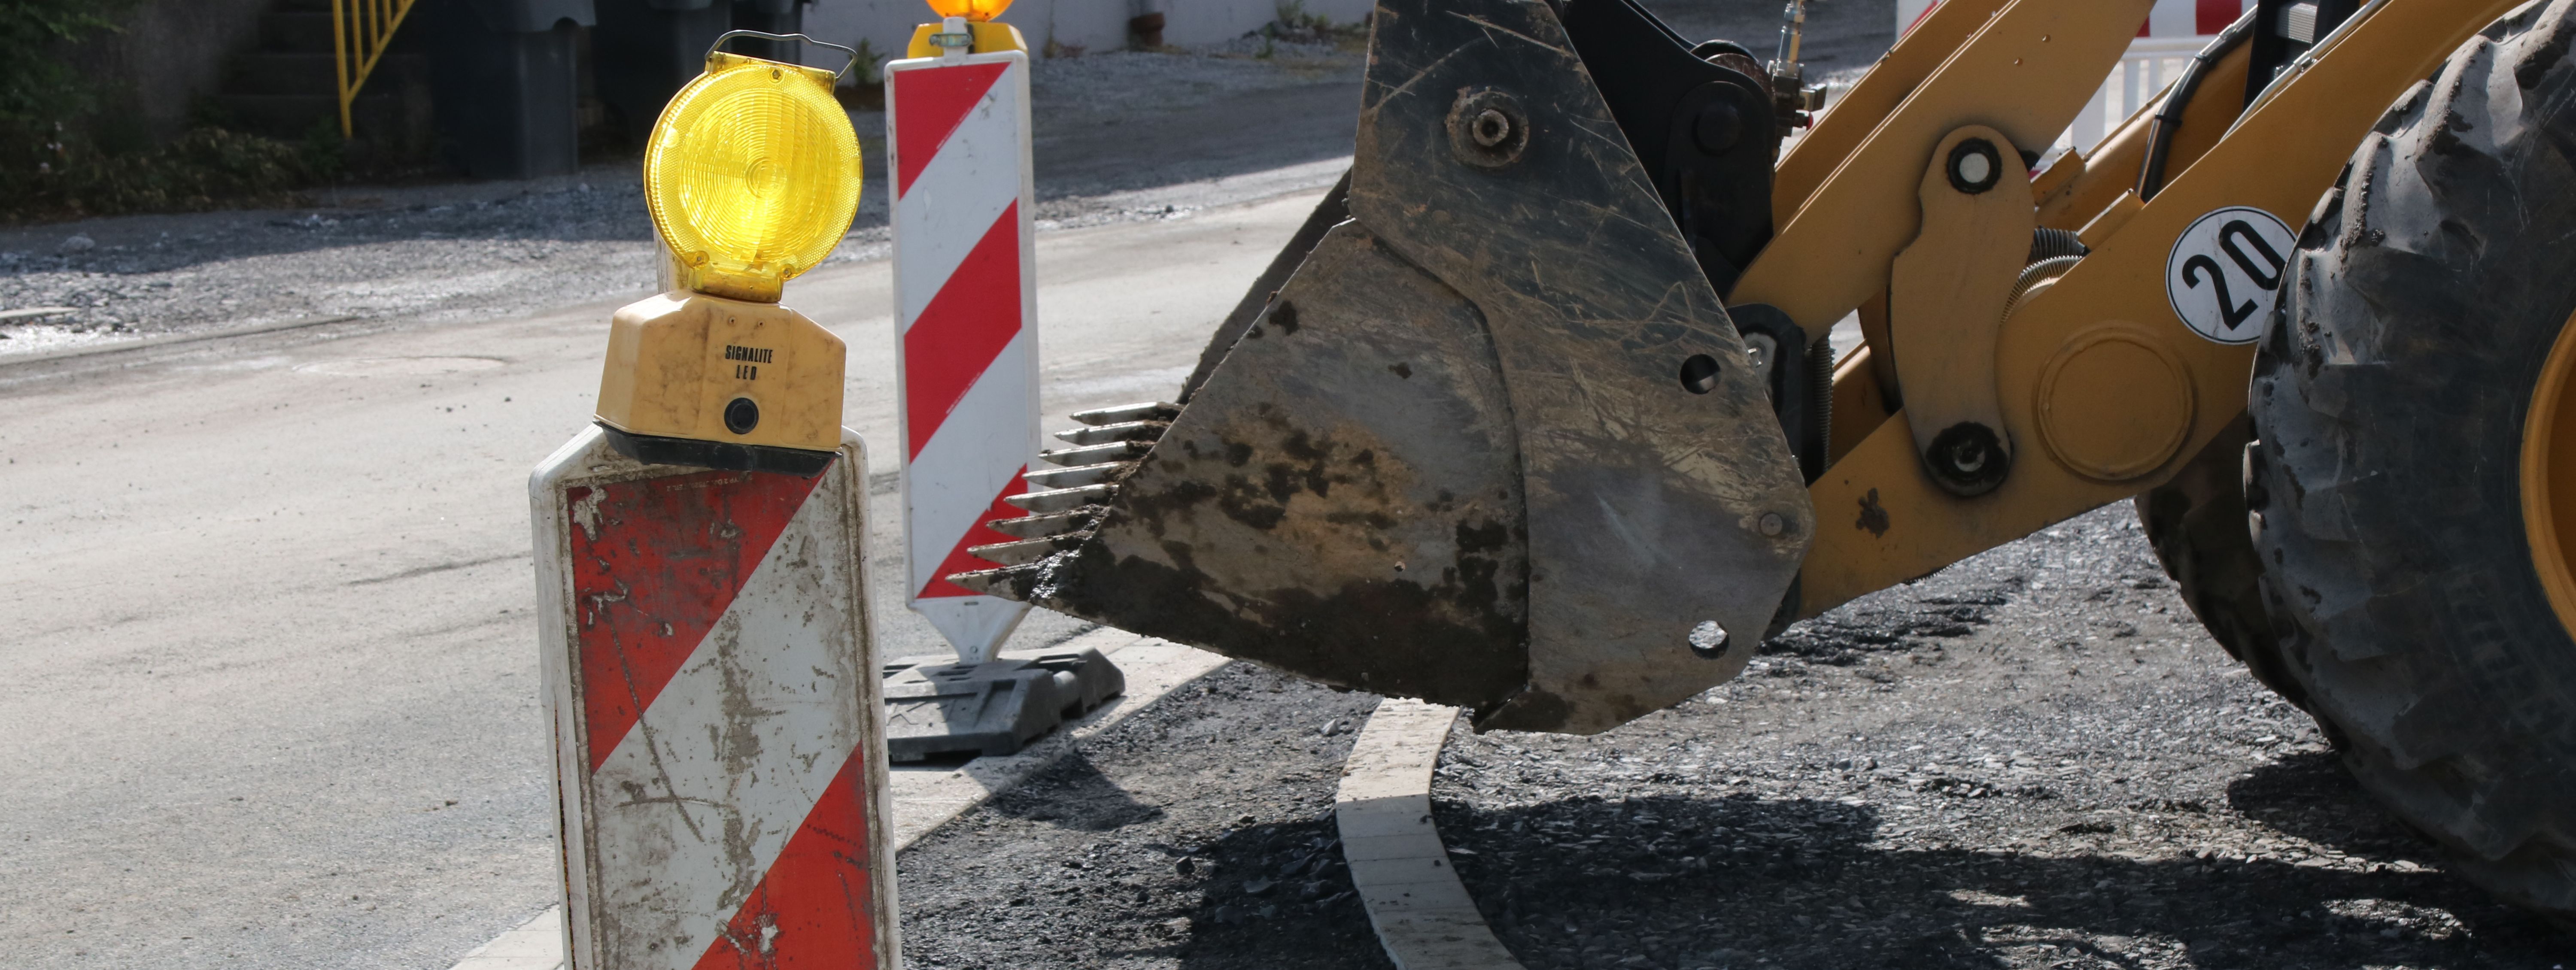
1278	896
1074	794
1674	882
2311	796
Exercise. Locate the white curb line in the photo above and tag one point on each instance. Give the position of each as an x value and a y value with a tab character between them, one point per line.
1422	913
926	798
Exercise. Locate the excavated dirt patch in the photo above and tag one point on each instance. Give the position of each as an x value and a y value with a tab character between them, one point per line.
1198	834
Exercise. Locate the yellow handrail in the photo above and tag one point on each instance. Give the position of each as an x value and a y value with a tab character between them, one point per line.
360	29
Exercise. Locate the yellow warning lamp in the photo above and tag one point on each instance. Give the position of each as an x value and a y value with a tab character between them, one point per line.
977	11
751	176
966	27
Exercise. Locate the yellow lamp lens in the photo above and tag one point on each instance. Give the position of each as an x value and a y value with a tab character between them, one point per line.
975	10
752	175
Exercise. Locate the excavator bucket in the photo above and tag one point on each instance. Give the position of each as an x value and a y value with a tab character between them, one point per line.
1485	434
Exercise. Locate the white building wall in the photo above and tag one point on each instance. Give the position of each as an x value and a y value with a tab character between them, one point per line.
1094	25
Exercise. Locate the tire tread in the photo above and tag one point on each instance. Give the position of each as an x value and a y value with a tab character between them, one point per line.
2388	402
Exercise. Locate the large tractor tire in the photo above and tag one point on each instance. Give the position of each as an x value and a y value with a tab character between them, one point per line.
2196	523
2417	461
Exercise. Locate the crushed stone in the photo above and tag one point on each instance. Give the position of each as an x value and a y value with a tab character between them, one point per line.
2036	758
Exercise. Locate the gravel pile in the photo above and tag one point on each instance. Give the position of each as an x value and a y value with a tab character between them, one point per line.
1131	82
443	257
2034	759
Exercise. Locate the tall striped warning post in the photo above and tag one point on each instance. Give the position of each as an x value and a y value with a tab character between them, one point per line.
965	289
700	565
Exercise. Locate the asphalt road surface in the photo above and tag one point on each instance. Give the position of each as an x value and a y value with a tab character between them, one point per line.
272	694
272	686
273	698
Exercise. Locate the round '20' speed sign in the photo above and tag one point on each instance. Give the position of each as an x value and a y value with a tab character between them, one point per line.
2227	271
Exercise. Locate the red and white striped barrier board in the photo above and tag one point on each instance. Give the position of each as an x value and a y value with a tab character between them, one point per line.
965	290
2169	18
718	739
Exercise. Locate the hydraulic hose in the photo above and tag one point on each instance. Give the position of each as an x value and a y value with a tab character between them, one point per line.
2160	131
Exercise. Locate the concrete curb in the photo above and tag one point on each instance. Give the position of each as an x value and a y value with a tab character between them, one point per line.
1422	913
926	798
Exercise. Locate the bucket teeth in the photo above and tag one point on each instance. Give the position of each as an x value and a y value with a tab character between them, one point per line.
1096	454
986	582
1062	499
1105	473
1069	498
1049	524
1122	431
1026	550
1124	413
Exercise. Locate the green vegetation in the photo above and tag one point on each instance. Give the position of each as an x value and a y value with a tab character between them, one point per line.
204	169
1294	23
35	84
52	162
1293	20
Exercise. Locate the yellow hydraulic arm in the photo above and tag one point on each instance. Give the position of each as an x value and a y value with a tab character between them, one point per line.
2101	385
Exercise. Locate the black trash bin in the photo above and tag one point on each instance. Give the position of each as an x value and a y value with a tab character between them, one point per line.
505	76
643	51
769	17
